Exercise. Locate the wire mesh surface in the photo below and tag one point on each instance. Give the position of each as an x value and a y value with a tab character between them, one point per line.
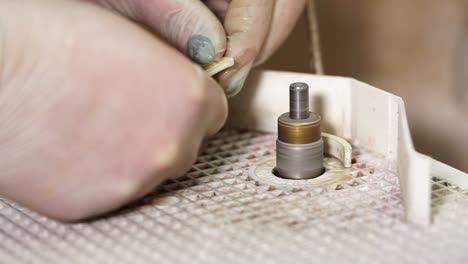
218	213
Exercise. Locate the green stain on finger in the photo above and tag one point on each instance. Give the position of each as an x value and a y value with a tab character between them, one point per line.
200	49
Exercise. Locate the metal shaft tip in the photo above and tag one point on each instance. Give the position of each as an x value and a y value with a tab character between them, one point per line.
299	101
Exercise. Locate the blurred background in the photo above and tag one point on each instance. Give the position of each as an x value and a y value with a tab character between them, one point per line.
415	49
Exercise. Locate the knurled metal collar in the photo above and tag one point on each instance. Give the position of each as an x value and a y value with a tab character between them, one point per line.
302	131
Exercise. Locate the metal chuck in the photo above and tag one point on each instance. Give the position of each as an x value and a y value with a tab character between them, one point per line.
299	148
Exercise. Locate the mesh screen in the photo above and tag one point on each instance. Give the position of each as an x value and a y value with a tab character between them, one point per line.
218	212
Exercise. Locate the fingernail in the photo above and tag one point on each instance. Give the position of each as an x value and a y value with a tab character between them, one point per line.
235	83
200	49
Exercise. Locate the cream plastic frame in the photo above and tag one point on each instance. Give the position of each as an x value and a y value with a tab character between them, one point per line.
364	115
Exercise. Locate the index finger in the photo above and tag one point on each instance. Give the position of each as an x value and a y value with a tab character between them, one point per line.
247	24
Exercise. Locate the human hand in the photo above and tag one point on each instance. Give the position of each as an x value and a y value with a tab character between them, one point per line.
254	29
94	110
